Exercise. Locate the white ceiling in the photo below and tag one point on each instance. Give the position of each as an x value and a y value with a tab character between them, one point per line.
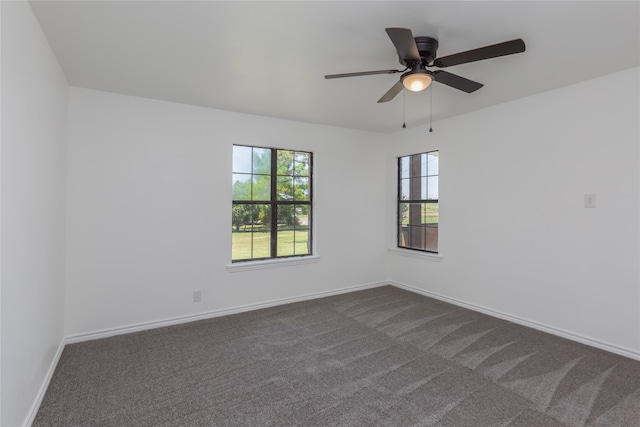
269	58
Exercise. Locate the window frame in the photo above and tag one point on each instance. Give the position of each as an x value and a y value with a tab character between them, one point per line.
421	201
274	203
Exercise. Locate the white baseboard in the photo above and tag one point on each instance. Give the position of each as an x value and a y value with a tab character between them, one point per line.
45	384
632	354
105	333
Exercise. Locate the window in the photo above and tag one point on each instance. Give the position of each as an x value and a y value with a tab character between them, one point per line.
271	203
418	202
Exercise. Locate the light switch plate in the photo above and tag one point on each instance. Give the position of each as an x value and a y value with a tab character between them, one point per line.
589	200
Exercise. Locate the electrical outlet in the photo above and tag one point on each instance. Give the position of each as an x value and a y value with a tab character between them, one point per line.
197	296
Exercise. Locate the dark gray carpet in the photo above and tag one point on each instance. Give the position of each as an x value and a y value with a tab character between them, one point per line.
382	356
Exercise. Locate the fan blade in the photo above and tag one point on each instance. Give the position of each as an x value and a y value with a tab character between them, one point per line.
456	82
404	42
361	73
493	51
391	93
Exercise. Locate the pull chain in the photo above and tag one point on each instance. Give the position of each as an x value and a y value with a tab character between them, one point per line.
430	107
404	109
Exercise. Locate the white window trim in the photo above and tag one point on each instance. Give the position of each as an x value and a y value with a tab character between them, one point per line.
430	256
271	263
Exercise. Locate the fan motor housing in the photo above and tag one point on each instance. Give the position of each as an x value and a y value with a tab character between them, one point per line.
428	47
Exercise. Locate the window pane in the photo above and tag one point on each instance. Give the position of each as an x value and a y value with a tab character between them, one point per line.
241	186
420	229
404	189
416	189
261	187
418	240
241	217
286	216
431	237
301	187
409	237
284	188
423	188
429	213
241	244
404	167
403	236
416	165
301	221
241	159
404	213
422	237
261	244
293	230
285	162
250	232
302	242
415	213
261	217
423	164
301	164
432	163
261	160
432	185
286	241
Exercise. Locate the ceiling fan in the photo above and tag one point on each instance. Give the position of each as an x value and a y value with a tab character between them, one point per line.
419	53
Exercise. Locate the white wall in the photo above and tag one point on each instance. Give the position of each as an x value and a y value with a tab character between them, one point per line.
34	124
149	218
514	233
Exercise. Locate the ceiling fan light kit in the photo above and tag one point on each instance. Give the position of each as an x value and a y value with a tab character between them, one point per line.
417	80
419	53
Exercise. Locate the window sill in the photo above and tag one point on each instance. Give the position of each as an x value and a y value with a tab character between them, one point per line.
416	254
271	263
